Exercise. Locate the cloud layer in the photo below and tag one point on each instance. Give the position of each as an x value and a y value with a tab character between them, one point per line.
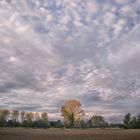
51	51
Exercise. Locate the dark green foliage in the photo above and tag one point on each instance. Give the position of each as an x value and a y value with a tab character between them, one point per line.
131	122
56	124
127	120
40	124
97	121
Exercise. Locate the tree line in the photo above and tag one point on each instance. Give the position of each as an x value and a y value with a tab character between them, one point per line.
23	119
73	117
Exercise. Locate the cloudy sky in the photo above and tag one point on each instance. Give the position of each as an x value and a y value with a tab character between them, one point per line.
54	50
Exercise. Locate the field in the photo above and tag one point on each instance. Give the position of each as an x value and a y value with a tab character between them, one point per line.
67	134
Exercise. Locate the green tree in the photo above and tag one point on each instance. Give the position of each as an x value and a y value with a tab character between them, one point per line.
72	112
97	121
127	120
133	122
138	121
44	117
29	119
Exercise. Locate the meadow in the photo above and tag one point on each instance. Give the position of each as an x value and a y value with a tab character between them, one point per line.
68	134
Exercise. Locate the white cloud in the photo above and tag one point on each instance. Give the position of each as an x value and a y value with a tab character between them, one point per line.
109	19
122	2
92	7
51	51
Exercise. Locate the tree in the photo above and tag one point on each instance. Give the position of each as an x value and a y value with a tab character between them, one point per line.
22	116
30	116
133	123
56	124
4	114
81	124
44	116
29	119
138	121
15	115
36	116
72	112
127	120
97	121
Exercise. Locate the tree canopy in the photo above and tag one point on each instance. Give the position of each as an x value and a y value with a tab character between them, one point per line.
72	113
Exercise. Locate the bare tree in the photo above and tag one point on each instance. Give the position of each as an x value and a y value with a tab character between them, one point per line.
22	116
15	115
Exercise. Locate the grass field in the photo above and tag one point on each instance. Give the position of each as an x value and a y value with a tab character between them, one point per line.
58	134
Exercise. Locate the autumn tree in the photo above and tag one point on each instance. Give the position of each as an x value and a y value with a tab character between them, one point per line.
72	113
29	119
36	120
30	116
36	116
4	115
15	115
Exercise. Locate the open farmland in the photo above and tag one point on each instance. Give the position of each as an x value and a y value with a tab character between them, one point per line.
65	134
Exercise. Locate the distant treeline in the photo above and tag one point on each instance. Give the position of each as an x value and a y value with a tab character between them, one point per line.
72	118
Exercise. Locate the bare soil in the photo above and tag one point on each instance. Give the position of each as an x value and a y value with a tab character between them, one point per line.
68	134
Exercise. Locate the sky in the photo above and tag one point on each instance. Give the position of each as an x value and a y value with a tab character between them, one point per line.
55	50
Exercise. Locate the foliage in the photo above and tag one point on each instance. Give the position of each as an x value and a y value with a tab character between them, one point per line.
72	113
27	119
73	118
97	121
131	122
4	114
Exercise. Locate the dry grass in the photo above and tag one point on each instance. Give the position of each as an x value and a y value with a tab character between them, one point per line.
58	134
